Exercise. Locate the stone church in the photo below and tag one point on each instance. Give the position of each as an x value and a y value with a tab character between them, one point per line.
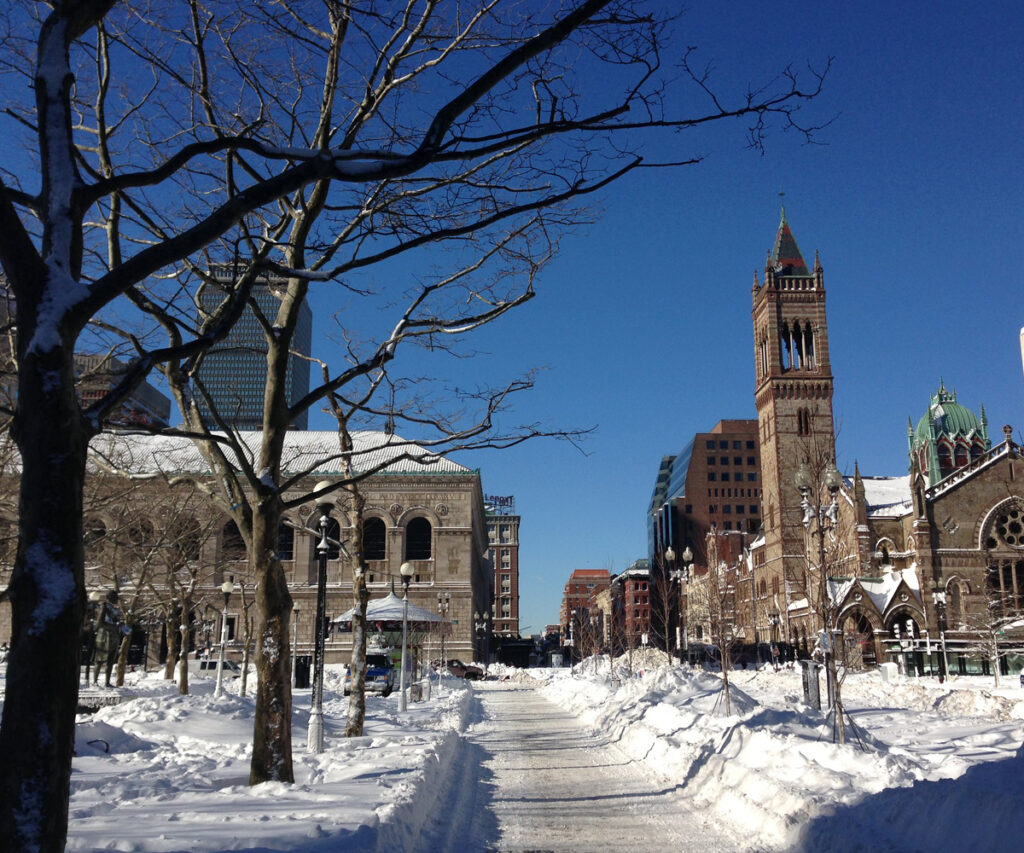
926	568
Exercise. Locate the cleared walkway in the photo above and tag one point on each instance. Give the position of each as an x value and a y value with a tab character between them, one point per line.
542	782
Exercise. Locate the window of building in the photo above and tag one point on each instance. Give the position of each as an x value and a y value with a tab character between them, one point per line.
711	460
689	509
728	524
727	509
723	445
710	445
712	477
751	476
232	546
285	542
374	539
724	460
750	445
736	445
751	460
737	460
418	535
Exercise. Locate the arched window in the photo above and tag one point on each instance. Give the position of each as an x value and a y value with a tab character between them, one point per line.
374	539
418	536
803	422
945	459
956	605
232	545
962	456
184	538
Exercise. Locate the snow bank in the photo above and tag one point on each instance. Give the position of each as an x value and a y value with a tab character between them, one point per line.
164	772
770	769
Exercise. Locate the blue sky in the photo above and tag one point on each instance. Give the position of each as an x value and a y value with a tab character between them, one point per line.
643	323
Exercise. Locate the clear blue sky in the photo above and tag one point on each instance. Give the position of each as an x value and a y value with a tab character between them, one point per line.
643	324
913	201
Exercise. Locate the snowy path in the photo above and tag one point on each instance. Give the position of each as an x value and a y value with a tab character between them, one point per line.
535	779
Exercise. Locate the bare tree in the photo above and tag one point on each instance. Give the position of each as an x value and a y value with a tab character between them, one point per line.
827	560
988	628
310	144
713	596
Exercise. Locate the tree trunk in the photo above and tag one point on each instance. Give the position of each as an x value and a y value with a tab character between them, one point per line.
272	723
122	659
186	614
246	651
357	699
47	594
361	595
171	624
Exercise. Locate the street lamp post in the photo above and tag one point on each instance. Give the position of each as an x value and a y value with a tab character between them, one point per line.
826	517
315	735
483	634
682	575
226	588
407	570
295	641
940	606
444	600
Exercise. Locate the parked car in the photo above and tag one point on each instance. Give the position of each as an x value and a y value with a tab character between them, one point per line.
465	670
380	674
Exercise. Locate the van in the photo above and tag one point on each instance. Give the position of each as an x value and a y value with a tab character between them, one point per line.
208	667
380	673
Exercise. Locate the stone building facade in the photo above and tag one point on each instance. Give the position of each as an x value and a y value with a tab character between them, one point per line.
925	569
429	513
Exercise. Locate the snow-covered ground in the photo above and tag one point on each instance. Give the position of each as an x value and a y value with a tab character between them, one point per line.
928	767
937	767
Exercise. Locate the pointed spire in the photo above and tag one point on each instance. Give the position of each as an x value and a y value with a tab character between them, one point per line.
817	261
785	258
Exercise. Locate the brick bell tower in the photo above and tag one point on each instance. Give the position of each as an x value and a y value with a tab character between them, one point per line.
793	394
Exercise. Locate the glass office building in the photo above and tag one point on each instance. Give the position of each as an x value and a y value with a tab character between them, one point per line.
235	371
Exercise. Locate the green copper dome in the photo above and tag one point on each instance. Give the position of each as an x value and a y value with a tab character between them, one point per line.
949	418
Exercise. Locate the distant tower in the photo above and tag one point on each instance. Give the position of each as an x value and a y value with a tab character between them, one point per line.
793	392
235	371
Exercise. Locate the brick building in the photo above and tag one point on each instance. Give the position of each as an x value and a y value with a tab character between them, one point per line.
503	538
926	569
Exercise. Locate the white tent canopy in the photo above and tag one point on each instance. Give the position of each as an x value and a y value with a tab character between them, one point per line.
389	609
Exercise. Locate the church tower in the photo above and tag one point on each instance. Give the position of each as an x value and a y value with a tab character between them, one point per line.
793	393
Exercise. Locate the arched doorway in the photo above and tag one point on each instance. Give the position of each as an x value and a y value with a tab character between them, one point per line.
859	641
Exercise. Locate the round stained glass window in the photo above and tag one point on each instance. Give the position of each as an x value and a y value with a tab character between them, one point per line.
1010	526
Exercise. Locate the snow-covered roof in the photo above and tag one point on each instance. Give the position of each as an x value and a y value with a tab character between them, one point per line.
315	450
879	590
887	495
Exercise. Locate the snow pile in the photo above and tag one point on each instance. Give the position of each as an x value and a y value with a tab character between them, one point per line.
164	772
770	769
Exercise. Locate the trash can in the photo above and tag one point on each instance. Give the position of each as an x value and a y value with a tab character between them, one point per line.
303	664
812	687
